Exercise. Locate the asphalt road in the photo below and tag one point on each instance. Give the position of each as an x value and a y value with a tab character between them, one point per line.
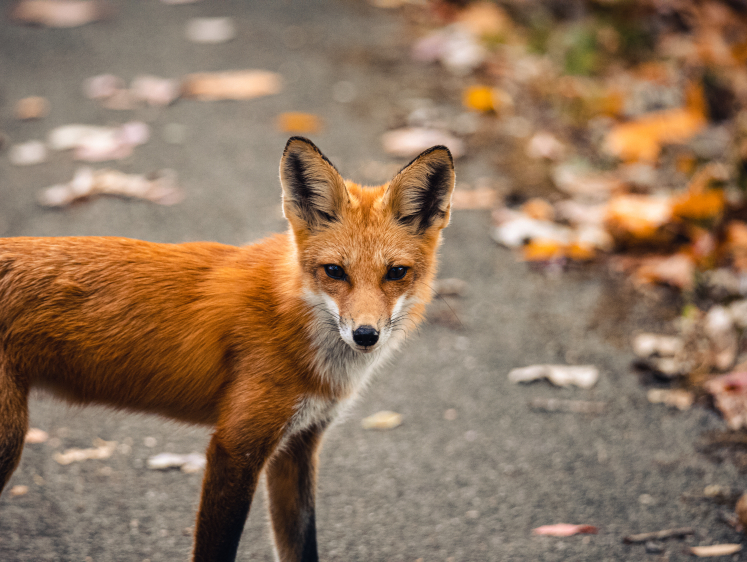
434	489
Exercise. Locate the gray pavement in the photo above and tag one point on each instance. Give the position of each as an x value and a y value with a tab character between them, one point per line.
468	489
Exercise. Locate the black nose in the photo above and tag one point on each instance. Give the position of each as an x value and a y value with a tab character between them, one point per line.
366	336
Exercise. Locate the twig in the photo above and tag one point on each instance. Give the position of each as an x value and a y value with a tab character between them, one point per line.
659	535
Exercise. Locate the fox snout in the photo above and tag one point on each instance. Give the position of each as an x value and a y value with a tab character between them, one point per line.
366	336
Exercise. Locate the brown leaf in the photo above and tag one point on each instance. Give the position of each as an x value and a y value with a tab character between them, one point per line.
59	13
231	85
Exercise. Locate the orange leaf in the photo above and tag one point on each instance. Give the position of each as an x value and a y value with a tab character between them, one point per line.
639	216
643	138
543	249
296	122
478	98
699	206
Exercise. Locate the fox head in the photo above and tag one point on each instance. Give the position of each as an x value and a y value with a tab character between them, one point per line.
367	255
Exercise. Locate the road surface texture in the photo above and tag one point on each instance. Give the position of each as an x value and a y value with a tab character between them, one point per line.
467	489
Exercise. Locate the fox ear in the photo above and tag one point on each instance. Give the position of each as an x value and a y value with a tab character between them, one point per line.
313	190
420	194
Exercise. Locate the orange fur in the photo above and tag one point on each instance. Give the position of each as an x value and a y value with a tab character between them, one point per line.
254	341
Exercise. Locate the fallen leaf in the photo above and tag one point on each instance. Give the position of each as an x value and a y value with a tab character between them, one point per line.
34	107
193	462
539	209
647	345
98	144
643	138
515	229
637	216
19	490
297	122
231	85
457	48
543	249
565	530
382	420
411	141
677	270
481	98
102	86
103	450
478	198
730	397
741	510
699	206
35	435
715	550
677	397
210	30
59	13
27	153
579	181
545	145
485	19
583	376
160	187
154	90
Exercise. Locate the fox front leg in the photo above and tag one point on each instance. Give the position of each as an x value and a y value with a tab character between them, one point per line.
291	487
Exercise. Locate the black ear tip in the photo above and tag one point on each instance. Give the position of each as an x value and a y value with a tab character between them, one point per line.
303	140
441	148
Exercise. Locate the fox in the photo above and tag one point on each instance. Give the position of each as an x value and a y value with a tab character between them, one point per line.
267	344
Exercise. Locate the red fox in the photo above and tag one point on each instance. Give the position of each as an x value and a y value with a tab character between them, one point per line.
266	343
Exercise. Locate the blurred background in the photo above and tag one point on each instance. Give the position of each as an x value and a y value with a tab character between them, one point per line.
584	362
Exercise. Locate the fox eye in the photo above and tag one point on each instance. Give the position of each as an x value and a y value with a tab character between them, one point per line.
334	271
396	273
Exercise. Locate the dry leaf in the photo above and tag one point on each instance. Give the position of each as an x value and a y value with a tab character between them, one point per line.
297	122
34	107
485	19
583	376
577	180
741	510
231	85
545	145
677	270
637	216
411	141
35	435
59	13
677	397
160	187
478	198
643	138
647	345
539	209
730	397
27	153
382	420
565	530
103	450
715	550
193	462
210	30
486	99
19	490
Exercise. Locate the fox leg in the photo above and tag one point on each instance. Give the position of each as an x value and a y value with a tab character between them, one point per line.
291	487
14	419
230	480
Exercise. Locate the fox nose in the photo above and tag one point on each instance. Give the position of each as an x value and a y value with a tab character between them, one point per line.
366	336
